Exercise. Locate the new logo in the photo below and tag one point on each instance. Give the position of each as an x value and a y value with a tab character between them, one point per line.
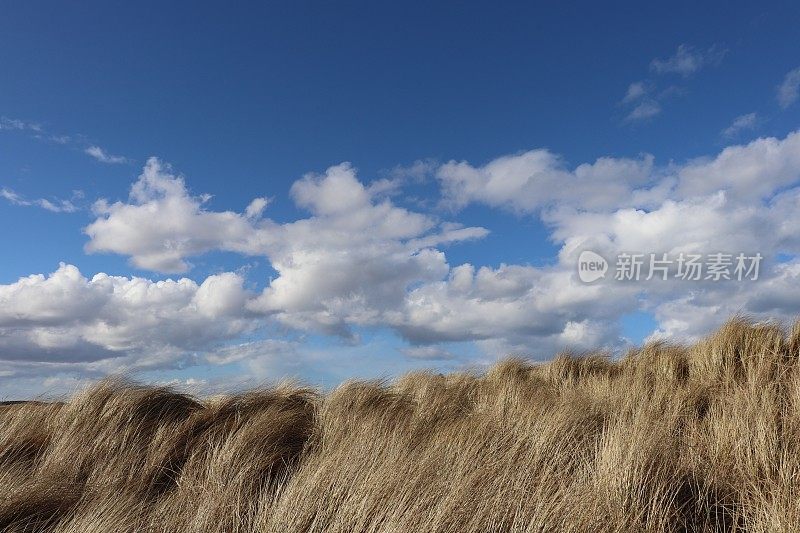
591	266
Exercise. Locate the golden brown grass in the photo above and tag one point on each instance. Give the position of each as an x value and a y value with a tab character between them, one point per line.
700	438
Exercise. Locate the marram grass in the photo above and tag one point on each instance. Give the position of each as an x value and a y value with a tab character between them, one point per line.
698	438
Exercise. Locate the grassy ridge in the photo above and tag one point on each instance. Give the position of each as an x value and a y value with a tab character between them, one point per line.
700	438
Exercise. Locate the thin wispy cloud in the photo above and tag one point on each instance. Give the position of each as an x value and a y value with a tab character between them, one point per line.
60	139
643	98
104	157
643	111
18	125
636	91
55	206
687	60
789	90
642	103
427	353
77	141
741	123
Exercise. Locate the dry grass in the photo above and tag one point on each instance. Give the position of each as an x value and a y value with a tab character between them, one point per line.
702	438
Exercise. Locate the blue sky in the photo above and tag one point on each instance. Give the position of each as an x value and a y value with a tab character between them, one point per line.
431	173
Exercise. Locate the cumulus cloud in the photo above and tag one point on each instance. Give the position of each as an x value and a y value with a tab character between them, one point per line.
744	199
752	171
162	224
103	156
354	259
789	89
362	261
358	260
536	179
535	307
112	322
345	265
690	316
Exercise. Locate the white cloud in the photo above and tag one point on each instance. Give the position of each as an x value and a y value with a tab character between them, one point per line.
163	224
741	123
539	179
112	322
335	193
744	199
55	205
690	316
643	111
789	90
104	157
693	225
40	133
353	259
526	305
752	171
687	60
256	208
361	262
358	260
20	125
635	91
250	350
643	99
427	353
345	265
533	180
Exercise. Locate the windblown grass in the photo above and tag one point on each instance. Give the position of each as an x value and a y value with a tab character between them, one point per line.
699	438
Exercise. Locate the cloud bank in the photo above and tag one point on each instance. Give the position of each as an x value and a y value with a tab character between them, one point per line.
358	260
